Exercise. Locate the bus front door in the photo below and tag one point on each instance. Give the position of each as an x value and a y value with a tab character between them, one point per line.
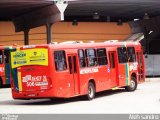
113	71
141	76
73	81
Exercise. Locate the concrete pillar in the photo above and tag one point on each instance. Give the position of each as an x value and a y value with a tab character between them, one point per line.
49	33
26	37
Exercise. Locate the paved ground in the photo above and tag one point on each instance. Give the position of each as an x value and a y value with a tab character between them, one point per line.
146	99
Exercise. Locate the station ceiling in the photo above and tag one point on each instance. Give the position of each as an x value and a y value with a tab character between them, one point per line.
83	10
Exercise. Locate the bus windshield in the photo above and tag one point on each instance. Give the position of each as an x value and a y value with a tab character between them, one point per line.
36	56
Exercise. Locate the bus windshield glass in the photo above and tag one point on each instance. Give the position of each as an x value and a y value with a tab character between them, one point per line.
36	56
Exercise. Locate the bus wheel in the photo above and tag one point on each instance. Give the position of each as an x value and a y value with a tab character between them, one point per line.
132	86
91	91
1	84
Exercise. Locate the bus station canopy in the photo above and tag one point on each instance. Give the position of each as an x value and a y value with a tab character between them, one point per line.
84	9
27	14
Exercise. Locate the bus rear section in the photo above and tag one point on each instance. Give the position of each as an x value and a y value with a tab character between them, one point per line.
31	74
5	73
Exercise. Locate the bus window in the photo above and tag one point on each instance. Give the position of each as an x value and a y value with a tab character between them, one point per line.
1	57
6	56
60	60
91	57
70	64
82	60
102	57
122	55
131	54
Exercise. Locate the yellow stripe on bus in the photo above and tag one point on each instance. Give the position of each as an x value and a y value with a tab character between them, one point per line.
19	81
129	80
115	88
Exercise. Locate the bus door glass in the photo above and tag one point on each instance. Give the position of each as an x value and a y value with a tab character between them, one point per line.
72	62
113	72
140	66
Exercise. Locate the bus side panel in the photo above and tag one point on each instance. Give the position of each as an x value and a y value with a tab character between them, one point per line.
83	83
100	75
59	79
102	78
61	84
86	77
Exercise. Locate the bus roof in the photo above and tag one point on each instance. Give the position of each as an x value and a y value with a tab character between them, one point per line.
81	45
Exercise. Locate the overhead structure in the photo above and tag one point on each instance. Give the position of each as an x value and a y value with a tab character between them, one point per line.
126	10
30	14
27	14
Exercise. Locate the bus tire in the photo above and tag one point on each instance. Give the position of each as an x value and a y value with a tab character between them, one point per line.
91	91
1	83
132	86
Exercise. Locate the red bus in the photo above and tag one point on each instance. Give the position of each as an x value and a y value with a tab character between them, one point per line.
69	70
5	75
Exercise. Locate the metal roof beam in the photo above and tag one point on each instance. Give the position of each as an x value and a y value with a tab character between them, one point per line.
46	15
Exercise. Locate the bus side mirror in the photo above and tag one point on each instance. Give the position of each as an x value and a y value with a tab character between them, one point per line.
146	56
